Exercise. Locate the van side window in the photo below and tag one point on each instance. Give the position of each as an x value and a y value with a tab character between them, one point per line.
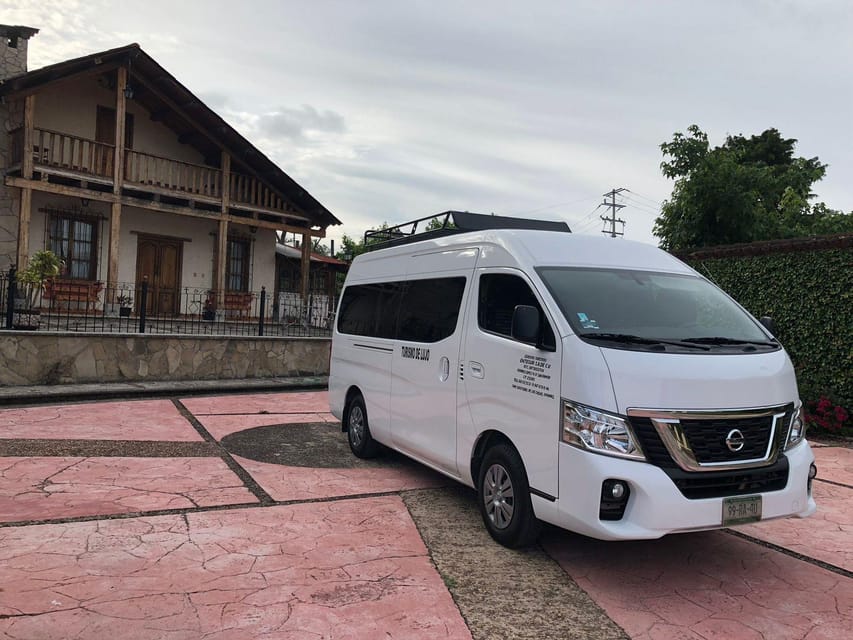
370	310
430	308
500	293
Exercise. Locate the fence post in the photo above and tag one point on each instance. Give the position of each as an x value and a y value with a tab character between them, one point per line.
262	310
10	298
143	303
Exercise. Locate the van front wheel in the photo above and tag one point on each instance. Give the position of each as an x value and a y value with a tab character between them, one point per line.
504	498
361	443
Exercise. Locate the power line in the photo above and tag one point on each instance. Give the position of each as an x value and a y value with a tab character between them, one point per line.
551	206
614	206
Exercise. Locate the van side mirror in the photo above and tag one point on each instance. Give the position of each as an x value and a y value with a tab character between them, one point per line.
525	323
767	323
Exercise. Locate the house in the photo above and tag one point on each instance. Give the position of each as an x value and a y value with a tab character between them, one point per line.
324	281
113	164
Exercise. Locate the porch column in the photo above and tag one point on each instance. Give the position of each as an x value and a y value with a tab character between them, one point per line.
305	265
25	213
222	250
115	229
121	111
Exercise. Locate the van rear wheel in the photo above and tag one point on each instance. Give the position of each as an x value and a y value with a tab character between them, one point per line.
504	498
361	443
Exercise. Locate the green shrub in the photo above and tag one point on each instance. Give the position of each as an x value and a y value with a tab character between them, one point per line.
809	294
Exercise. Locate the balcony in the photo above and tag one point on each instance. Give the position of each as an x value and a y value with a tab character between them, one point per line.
92	163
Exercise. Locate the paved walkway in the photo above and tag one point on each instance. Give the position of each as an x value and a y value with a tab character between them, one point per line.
245	516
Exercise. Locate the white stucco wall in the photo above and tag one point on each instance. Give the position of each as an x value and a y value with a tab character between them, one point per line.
71	107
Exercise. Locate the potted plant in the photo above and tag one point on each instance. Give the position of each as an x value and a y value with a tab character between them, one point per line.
42	265
125	304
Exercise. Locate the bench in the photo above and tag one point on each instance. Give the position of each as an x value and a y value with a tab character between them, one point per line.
239	301
62	290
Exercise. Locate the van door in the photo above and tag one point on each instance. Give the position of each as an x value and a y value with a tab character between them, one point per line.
423	386
510	386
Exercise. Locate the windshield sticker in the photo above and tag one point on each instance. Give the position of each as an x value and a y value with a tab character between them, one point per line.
533	376
586	322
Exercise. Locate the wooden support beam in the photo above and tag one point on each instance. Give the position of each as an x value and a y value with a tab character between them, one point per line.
305	266
24	216
121	114
225	173
29	128
115	232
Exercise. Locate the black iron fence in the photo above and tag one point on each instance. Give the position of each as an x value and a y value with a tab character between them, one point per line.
61	304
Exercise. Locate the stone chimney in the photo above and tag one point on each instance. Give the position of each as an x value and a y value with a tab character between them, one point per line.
13	50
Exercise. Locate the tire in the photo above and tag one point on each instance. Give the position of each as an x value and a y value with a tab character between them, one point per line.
504	498
361	443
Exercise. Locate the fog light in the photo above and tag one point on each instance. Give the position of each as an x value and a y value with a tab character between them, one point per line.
812	476
614	499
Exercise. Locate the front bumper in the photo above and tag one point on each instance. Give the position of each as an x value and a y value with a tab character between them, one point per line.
656	507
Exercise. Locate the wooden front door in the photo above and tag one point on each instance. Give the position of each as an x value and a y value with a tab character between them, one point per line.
160	260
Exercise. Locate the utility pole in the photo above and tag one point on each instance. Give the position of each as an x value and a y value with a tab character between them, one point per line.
614	208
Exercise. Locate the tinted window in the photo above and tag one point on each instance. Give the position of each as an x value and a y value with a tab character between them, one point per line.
370	310
429	309
500	294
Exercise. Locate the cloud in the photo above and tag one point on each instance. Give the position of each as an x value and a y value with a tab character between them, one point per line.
299	124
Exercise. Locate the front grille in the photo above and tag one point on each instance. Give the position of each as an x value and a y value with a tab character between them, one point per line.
650	442
719	484
707	438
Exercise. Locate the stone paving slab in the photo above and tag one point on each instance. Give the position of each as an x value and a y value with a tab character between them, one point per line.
220	426
707	585
45	488
835	464
292	402
827	535
126	420
345	570
307	483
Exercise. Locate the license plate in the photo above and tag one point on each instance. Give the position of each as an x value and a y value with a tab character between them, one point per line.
741	510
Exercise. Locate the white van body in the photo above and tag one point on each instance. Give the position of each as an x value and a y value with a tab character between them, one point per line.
439	401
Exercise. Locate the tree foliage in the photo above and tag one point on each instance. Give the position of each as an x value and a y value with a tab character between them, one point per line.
744	190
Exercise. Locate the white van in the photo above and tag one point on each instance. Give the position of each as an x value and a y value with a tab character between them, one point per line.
596	384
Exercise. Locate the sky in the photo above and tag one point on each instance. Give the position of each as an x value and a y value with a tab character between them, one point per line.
392	110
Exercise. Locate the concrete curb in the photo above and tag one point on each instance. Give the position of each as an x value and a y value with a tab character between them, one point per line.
38	394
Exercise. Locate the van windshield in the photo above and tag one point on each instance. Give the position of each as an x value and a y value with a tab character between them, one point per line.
651	310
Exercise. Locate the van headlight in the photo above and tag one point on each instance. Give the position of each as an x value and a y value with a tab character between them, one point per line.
595	430
797	430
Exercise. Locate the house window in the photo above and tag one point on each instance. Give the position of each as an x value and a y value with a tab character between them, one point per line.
75	240
105	127
237	265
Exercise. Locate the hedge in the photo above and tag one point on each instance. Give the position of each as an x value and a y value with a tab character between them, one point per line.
809	295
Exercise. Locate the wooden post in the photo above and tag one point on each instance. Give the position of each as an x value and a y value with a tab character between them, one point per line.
222	250
24	227
115	229
306	270
121	111
29	136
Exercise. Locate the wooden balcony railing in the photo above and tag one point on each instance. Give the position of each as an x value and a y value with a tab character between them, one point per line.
250	191
64	151
52	149
145	169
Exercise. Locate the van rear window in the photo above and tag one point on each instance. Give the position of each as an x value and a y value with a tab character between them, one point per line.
416	310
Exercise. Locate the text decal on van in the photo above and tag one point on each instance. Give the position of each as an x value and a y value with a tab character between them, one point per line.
533	376
415	353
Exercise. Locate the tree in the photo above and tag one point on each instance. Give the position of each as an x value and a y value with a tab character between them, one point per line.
744	190
350	247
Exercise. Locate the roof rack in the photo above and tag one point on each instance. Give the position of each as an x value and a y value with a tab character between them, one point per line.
449	223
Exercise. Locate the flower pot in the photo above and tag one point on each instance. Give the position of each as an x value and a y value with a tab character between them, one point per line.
26	319
124	312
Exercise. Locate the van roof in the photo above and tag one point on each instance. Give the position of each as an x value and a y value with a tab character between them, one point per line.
529	248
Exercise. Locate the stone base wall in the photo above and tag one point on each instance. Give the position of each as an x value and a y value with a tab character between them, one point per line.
32	358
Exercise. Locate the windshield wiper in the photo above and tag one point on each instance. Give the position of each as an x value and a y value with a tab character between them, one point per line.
629	338
723	340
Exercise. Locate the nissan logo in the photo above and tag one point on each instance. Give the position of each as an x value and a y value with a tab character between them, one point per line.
735	440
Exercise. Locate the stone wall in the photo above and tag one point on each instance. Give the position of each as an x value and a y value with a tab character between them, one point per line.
28	358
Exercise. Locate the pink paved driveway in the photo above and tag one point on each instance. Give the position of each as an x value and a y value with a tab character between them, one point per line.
297	402
835	463
307	483
220	426
707	586
126	420
348	569
51	488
